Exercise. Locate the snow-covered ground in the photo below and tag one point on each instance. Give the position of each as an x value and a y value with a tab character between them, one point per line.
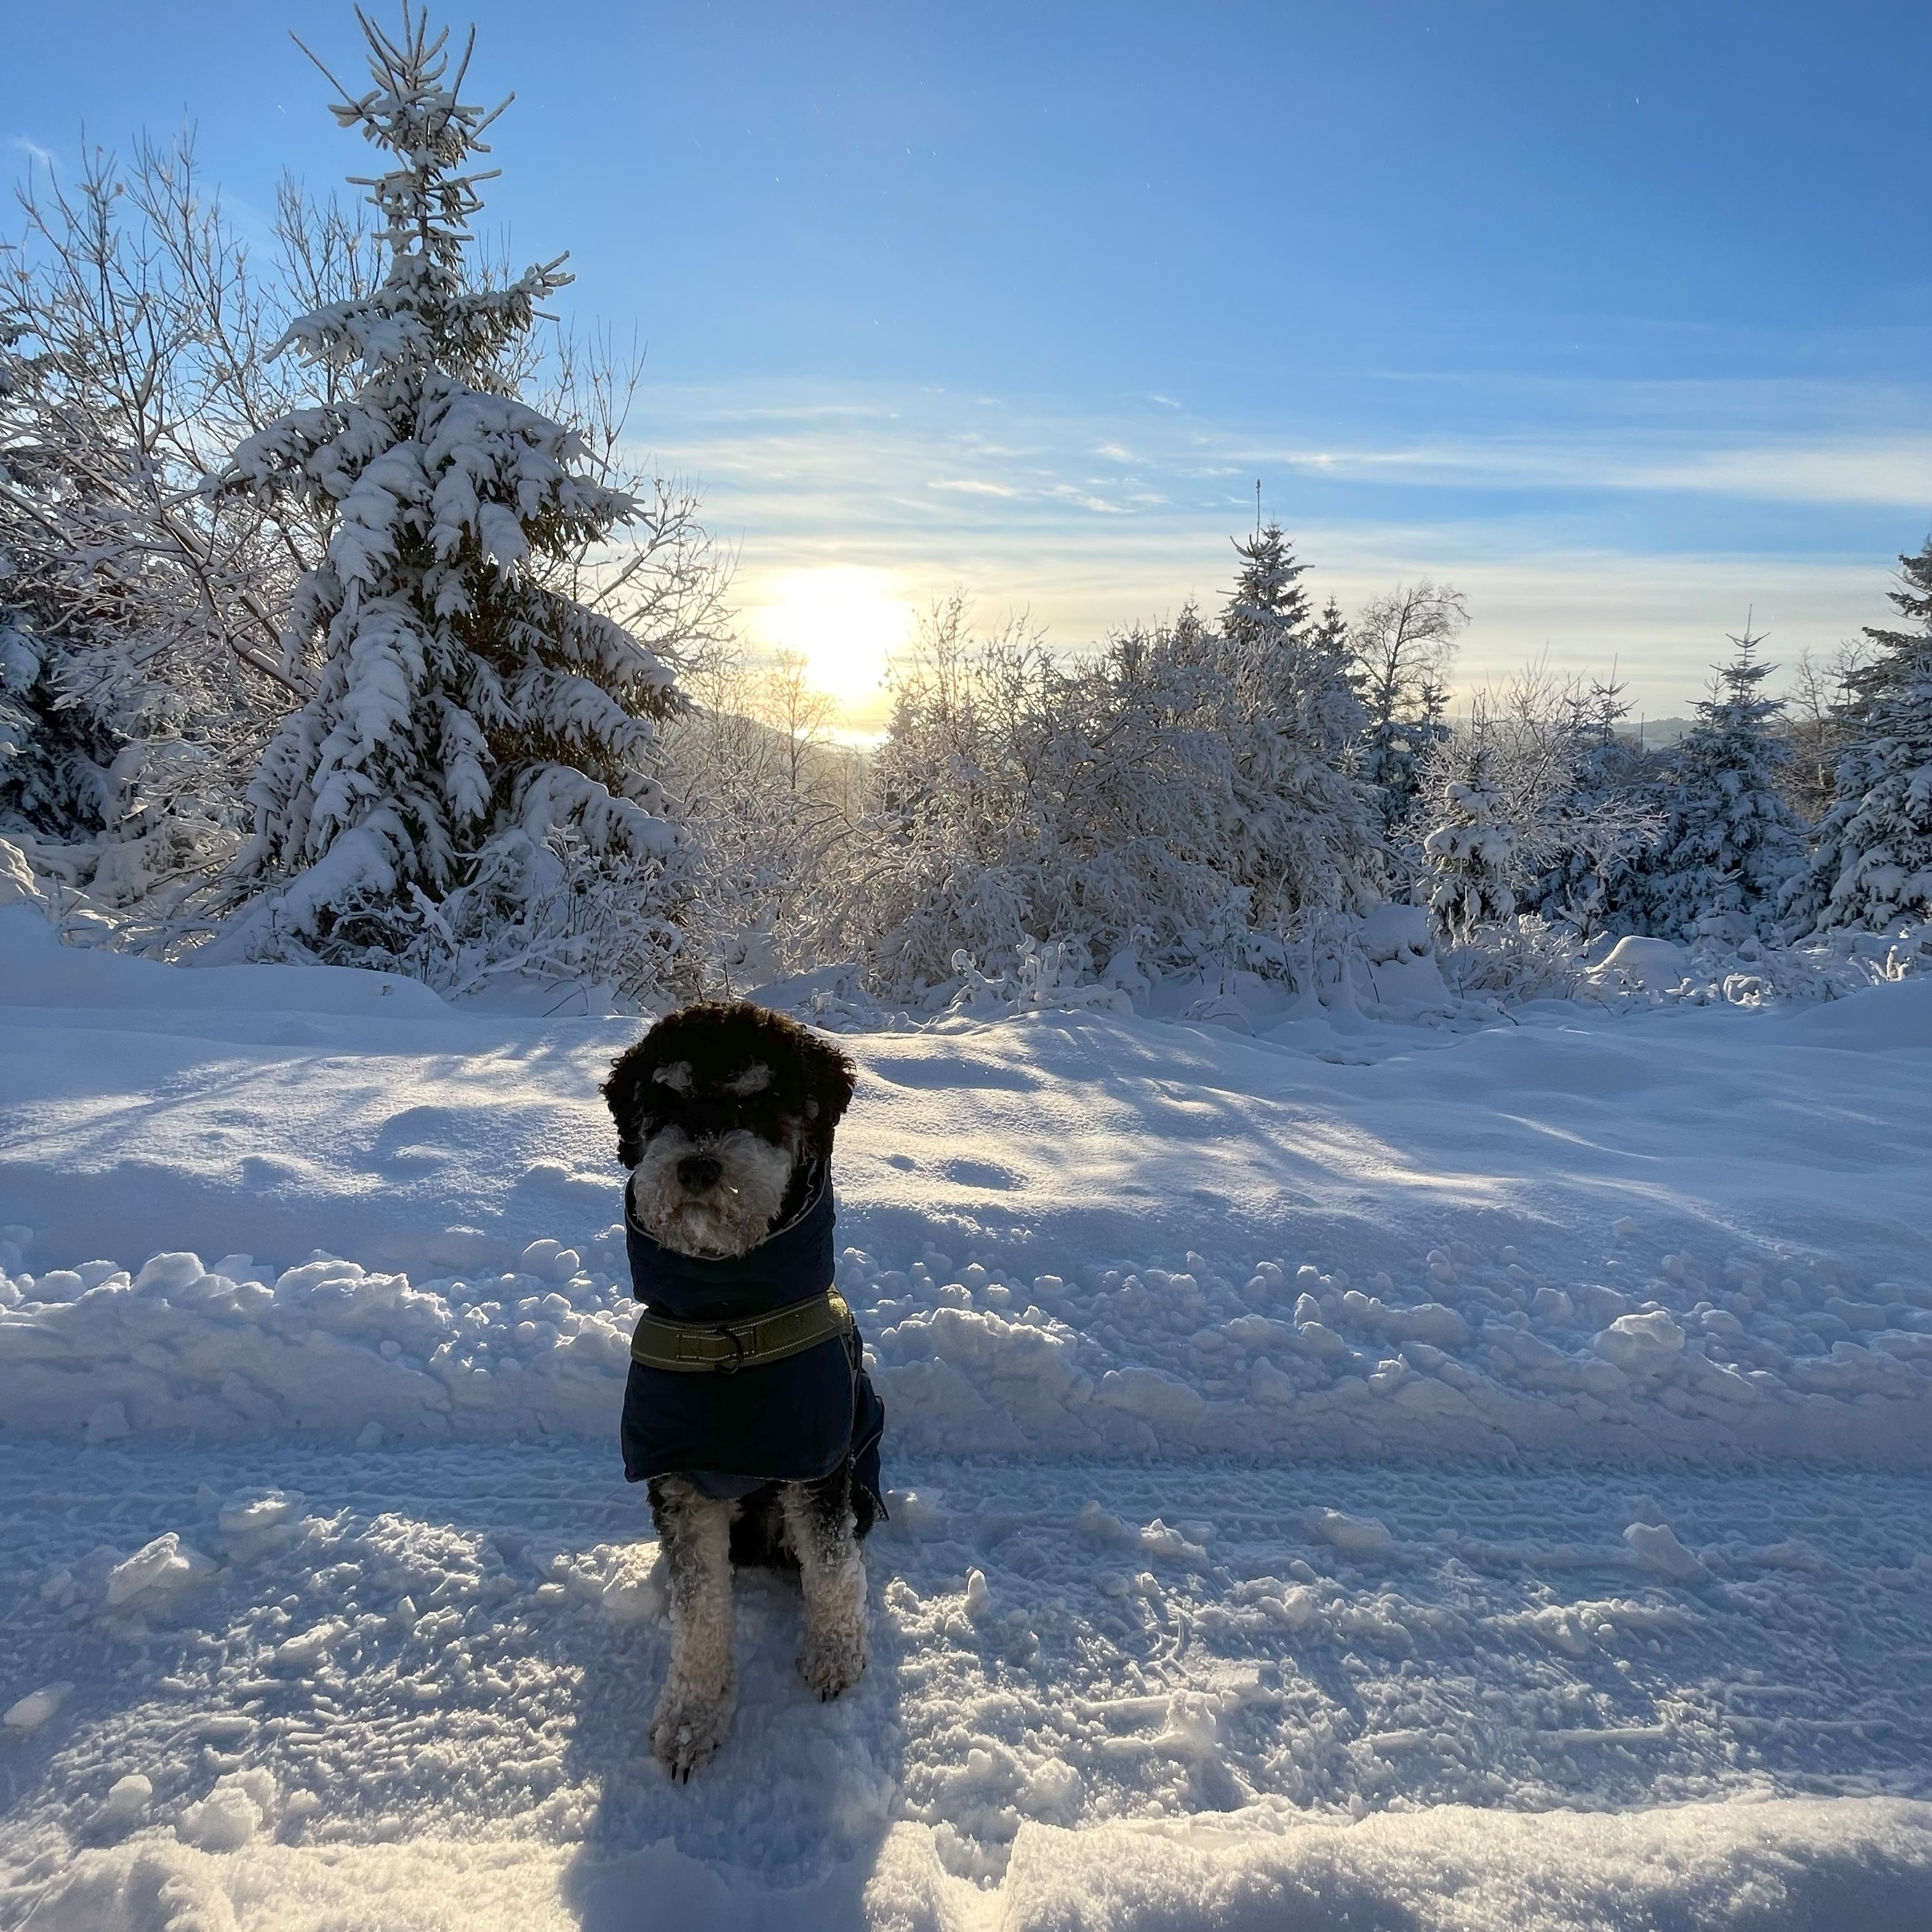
1346	1472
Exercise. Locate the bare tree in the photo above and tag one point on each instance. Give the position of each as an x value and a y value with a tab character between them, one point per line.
667	582
1819	713
797	710
1400	648
772	804
141	341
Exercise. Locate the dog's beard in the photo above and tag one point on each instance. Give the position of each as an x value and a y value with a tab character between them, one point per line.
733	1214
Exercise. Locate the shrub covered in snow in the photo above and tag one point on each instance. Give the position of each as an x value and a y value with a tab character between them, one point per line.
1472	853
1185	797
1520	802
771	803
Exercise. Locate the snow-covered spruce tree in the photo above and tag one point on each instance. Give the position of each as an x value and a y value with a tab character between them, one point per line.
1268	602
1872	863
1304	836
468	791
1470	853
1730	842
69	697
1331	630
55	758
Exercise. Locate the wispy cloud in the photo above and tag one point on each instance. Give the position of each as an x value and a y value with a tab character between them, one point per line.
1889	470
800	480
42	156
1067	493
970	486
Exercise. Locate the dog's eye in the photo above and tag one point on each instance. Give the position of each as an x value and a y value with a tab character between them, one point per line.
754	1079
675	1074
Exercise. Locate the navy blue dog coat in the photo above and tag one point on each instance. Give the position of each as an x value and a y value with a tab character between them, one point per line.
793	1420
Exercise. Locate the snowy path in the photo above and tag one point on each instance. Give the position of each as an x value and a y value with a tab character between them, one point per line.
466	1644
1373	1476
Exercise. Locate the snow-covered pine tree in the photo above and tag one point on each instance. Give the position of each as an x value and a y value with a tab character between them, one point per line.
1269	604
474	769
1304	836
56	747
1331	630
55	758
1730	842
1471	853
1872	863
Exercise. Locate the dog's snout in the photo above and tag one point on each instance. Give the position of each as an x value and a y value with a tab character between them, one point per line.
698	1172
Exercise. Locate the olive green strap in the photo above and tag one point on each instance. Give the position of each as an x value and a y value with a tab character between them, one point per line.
720	1347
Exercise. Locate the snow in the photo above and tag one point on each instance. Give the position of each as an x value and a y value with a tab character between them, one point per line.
1647	962
1458	1474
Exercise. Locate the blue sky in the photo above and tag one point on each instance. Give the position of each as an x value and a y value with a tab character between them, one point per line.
1616	315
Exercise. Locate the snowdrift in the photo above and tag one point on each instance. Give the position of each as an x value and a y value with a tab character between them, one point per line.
1806	1866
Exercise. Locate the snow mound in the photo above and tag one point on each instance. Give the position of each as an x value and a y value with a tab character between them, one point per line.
1183	1361
1658	965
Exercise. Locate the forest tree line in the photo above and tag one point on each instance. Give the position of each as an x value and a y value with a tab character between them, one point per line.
336	624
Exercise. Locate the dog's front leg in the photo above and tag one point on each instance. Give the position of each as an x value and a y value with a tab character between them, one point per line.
819	1527
694	1708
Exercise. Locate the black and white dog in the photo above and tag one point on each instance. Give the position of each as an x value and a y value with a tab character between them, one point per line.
747	1411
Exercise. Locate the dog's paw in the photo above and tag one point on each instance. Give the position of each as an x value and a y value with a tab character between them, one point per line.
832	1659
687	1731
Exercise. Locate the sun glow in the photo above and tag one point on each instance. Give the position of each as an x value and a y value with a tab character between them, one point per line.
845	621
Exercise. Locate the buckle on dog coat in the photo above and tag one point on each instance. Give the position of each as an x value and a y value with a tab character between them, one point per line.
724	1347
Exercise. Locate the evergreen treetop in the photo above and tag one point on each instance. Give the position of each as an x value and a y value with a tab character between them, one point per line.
1268	602
1901	654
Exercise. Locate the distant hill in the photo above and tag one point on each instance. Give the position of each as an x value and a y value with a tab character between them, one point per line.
1654	733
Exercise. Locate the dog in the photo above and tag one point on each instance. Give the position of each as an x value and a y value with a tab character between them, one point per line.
725	1113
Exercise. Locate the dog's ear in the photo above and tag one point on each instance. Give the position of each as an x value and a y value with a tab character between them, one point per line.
625	1093
830	1079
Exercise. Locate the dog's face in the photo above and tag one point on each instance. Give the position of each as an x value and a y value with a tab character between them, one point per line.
722	1111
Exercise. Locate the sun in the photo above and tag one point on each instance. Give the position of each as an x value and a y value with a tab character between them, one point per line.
845	621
